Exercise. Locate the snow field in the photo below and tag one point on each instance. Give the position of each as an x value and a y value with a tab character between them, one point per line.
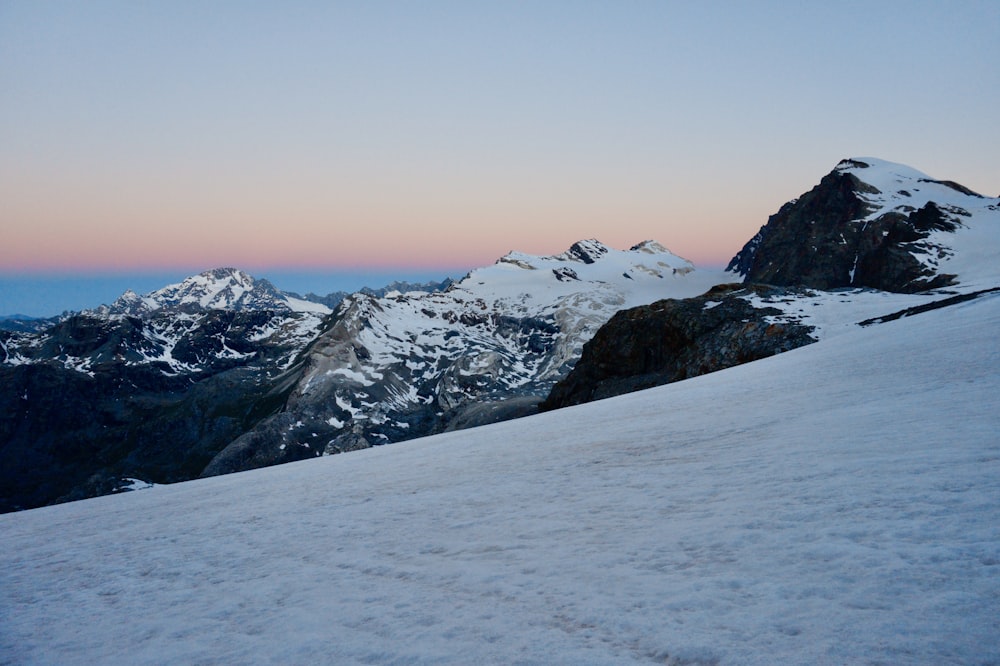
839	503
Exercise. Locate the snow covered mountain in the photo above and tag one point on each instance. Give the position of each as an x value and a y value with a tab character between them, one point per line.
877	224
218	289
872	240
836	504
178	329
149	387
488	348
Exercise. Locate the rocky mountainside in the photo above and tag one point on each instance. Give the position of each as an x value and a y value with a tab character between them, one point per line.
871	223
873	238
177	329
488	348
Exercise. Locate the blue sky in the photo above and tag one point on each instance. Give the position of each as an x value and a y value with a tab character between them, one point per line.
322	138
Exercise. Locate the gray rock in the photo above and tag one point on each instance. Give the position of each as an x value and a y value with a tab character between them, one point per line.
671	340
827	239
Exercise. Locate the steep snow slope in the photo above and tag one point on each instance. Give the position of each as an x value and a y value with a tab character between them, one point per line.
836	504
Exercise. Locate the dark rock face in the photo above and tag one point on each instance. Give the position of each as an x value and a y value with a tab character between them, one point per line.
824	241
586	251
65	435
98	399
672	340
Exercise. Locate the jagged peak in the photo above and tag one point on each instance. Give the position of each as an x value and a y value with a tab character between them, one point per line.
227	273
592	251
588	251
650	246
655	247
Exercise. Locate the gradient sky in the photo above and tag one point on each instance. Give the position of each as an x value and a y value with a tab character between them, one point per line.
173	137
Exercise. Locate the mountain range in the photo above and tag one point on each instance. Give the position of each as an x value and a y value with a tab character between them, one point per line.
835	504
223	372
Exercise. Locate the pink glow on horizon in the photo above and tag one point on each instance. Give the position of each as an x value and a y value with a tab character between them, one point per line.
69	258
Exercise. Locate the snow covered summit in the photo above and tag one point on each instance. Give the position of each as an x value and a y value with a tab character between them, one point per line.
217	289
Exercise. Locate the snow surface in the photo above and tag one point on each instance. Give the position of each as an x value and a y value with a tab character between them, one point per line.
836	504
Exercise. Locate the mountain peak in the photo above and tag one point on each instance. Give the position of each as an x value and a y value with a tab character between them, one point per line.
874	223
588	251
650	246
228	273
592	261
225	288
875	165
890	177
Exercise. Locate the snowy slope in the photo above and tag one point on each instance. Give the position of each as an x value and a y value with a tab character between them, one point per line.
837	504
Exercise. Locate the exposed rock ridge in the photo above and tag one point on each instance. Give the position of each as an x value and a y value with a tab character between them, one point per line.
674	339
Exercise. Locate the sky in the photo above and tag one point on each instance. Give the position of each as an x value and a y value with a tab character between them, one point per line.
335	140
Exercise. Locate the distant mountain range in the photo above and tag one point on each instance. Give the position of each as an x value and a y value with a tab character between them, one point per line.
223	372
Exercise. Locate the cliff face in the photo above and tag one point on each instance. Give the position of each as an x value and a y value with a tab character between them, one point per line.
849	232
675	339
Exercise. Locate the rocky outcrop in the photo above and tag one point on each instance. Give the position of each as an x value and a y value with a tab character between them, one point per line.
672	340
849	232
